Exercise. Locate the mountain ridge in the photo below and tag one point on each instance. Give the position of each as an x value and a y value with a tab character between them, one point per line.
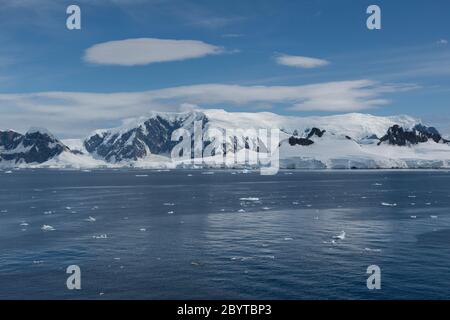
341	142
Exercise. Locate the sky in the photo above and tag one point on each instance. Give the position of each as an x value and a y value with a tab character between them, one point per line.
291	57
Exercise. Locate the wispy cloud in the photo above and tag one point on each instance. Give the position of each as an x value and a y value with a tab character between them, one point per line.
300	61
142	51
77	113
442	42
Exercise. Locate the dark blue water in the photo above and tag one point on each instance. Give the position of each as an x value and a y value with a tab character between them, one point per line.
187	235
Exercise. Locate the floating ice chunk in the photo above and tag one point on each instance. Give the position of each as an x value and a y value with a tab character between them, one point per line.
189	175
413	217
38	261
372	250
91	219
208	172
69	208
47	227
195	263
412	196
377	184
170	212
309	205
24	224
385	204
433	217
340	236
295	203
4	211
142	229
288	239
141	175
101	236
241	210
169	204
428	204
8	172
249	199
265	208
48	212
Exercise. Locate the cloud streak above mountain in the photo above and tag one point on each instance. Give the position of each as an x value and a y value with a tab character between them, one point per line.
300	61
77	113
142	51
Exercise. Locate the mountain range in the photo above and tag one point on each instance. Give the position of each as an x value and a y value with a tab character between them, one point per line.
349	141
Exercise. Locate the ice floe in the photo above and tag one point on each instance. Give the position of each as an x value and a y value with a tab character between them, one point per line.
249	199
47	227
101	236
386	204
340	236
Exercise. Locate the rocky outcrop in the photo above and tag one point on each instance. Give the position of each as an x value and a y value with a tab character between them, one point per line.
399	136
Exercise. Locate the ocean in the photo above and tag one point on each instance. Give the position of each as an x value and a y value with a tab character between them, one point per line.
225	234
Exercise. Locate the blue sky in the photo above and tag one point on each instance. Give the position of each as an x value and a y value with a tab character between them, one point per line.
310	57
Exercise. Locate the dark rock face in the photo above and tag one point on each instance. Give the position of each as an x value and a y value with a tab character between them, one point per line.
398	136
306	141
317	132
300	141
33	147
151	137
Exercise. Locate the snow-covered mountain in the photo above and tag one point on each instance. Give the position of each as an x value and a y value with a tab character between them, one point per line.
36	146
342	141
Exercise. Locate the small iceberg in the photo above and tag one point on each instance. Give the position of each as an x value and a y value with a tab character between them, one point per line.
433	217
340	236
372	250
91	219
385	204
47	227
101	236
249	199
241	210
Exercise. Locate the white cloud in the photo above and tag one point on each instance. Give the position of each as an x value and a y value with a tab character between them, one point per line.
442	42
142	51
300	61
77	113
